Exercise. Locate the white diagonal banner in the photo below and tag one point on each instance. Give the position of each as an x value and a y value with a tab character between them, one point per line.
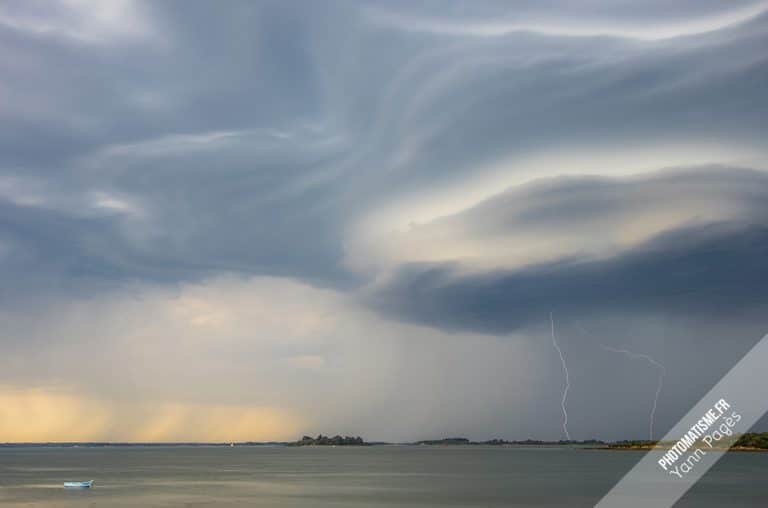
699	439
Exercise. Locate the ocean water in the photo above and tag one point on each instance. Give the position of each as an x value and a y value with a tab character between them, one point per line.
381	476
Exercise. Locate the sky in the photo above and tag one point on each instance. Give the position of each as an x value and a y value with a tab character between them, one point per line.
258	220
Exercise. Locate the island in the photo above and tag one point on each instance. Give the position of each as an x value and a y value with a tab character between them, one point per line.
748	442
337	440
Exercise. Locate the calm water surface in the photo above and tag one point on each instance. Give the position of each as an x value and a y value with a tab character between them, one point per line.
386	476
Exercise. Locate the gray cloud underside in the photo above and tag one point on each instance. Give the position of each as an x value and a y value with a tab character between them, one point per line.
250	150
709	268
272	194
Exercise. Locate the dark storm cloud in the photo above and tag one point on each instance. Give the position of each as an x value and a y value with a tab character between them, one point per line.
177	179
716	269
248	139
702	266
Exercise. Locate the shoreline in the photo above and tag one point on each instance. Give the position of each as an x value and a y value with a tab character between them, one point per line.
650	448
740	449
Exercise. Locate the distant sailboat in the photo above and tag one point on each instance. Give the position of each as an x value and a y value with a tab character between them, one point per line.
78	485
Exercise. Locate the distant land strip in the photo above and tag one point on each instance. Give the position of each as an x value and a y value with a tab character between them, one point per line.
752	441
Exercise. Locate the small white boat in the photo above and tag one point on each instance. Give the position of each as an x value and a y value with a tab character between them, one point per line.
78	485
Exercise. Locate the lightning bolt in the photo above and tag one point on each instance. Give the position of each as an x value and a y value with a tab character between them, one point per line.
660	383
567	380
649	359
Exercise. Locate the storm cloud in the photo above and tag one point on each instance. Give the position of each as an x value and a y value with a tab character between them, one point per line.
675	241
390	186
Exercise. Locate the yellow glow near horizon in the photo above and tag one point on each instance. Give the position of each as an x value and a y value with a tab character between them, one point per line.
38	415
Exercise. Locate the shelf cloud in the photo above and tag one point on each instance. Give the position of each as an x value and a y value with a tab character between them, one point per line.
327	211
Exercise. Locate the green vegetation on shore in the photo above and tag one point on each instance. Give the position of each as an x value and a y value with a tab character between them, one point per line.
757	440
751	441
337	440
